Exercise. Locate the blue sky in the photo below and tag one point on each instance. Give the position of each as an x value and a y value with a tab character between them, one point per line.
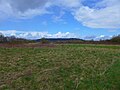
87	19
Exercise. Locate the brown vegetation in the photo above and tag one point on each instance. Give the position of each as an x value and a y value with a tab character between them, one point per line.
26	45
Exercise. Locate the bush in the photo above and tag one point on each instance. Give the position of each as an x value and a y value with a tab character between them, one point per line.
116	39
44	41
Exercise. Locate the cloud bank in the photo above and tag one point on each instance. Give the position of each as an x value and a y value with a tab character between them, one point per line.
97	38
37	35
91	13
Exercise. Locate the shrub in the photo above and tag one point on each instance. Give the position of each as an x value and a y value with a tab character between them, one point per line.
44	41
116	39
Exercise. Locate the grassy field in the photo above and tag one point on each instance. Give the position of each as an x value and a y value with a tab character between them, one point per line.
64	67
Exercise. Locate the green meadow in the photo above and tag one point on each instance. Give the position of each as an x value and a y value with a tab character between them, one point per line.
63	67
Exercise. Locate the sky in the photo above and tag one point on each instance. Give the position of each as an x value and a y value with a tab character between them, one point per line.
85	19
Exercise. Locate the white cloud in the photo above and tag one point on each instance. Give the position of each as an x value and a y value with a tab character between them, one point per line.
103	14
68	3
103	37
97	38
112	30
8	32
37	35
58	17
97	14
44	23
23	8
106	16
64	35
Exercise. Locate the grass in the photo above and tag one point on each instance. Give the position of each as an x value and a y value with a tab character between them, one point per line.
65	67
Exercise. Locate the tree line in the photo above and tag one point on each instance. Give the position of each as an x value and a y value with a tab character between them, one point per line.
13	39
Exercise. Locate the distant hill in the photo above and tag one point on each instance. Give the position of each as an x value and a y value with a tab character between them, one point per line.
13	39
60	39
